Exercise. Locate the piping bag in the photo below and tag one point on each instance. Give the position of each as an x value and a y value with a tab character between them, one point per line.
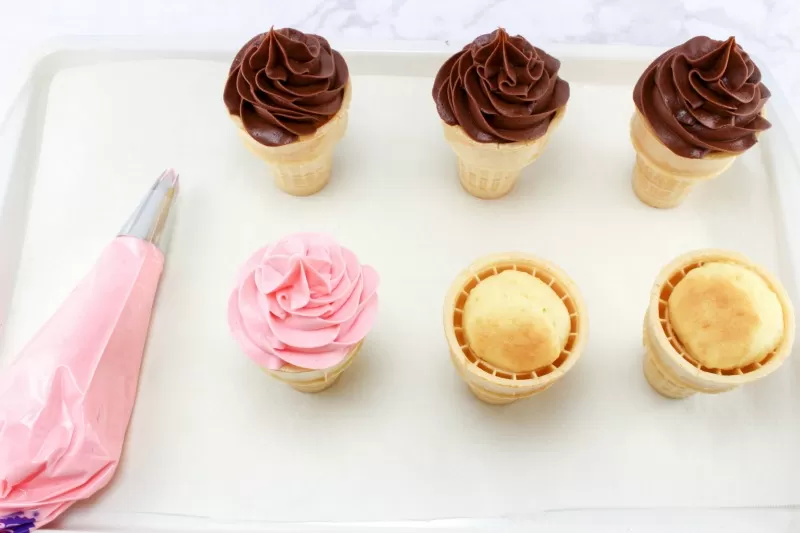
66	400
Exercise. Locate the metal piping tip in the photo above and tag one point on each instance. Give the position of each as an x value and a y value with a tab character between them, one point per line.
148	220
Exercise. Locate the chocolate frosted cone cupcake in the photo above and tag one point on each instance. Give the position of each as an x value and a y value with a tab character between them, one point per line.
698	106
288	92
500	98
716	321
515	324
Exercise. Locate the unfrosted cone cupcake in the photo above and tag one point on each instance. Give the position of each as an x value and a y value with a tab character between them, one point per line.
715	321
698	106
515	324
500	99
301	309
288	93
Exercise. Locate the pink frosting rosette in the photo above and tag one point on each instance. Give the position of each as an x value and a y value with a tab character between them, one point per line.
304	301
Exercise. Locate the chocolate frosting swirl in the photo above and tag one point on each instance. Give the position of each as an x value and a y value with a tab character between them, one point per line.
500	89
284	84
703	97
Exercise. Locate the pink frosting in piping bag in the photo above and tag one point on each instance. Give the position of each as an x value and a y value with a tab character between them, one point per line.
66	400
68	396
304	301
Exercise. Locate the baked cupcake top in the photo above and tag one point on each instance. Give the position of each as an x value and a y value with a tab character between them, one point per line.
725	315
305	301
284	84
515	322
500	89
703	97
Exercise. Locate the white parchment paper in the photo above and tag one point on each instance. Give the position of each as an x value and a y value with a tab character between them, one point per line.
400	437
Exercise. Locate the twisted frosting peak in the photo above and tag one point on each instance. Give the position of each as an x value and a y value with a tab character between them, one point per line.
304	300
500	89
702	97
284	84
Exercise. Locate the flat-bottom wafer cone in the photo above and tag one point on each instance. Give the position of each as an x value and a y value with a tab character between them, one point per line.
660	177
668	368
490	170
303	167
306	380
488	383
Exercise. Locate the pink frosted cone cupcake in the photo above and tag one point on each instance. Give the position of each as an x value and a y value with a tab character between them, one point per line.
301	309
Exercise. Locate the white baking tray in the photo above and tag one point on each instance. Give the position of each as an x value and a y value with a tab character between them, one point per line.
399	444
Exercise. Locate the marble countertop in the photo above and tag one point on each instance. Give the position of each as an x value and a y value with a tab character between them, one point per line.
768	29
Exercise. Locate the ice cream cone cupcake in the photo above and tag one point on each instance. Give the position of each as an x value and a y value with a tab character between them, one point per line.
301	309
288	93
515	324
715	321
698	106
500	99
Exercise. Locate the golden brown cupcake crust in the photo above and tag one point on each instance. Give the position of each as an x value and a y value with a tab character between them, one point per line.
515	322
725	315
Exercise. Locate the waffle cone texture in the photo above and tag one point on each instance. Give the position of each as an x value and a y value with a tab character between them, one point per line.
490	170
487	382
662	178
303	167
669	368
305	380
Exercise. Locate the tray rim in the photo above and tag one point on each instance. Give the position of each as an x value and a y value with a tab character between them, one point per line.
45	62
